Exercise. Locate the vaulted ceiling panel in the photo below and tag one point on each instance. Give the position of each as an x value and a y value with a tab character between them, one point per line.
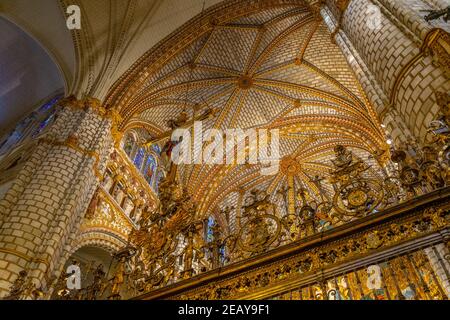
274	67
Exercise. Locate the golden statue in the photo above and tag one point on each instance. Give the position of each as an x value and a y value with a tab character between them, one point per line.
118	279
343	158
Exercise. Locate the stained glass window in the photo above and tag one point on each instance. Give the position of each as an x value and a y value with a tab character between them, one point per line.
156	148
149	169
209	229
46	107
128	145
18	134
139	158
222	254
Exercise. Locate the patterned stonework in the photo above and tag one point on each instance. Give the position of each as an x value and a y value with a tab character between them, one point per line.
269	66
391	49
42	211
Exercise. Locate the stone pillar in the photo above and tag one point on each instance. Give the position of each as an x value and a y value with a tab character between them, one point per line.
394	124
441	266
42	211
393	42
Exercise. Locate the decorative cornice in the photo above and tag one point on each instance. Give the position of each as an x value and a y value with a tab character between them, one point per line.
24	256
135	174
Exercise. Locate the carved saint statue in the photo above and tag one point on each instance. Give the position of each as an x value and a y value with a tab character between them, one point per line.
188	257
90	213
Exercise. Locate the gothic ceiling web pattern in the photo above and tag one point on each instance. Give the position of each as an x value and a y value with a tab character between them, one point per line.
271	67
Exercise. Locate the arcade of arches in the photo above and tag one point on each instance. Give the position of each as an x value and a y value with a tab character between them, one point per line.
358	92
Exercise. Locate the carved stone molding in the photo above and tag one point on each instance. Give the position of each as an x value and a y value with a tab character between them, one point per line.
341	6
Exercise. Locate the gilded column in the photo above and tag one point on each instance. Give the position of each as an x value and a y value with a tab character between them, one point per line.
42	211
291	195
395	127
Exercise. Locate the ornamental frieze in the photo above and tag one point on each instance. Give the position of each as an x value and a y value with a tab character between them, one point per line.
413	225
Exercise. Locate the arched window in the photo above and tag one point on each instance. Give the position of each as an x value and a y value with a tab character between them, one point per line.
149	169
46	107
145	159
210	237
129	144
47	114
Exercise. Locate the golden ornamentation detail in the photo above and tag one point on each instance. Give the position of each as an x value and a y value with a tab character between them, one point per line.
96	106
437	44
289	166
261	279
245	82
107	215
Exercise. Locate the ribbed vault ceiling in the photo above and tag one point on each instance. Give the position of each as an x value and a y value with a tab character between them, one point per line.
299	81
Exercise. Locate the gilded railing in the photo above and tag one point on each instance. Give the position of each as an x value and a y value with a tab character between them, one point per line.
314	261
